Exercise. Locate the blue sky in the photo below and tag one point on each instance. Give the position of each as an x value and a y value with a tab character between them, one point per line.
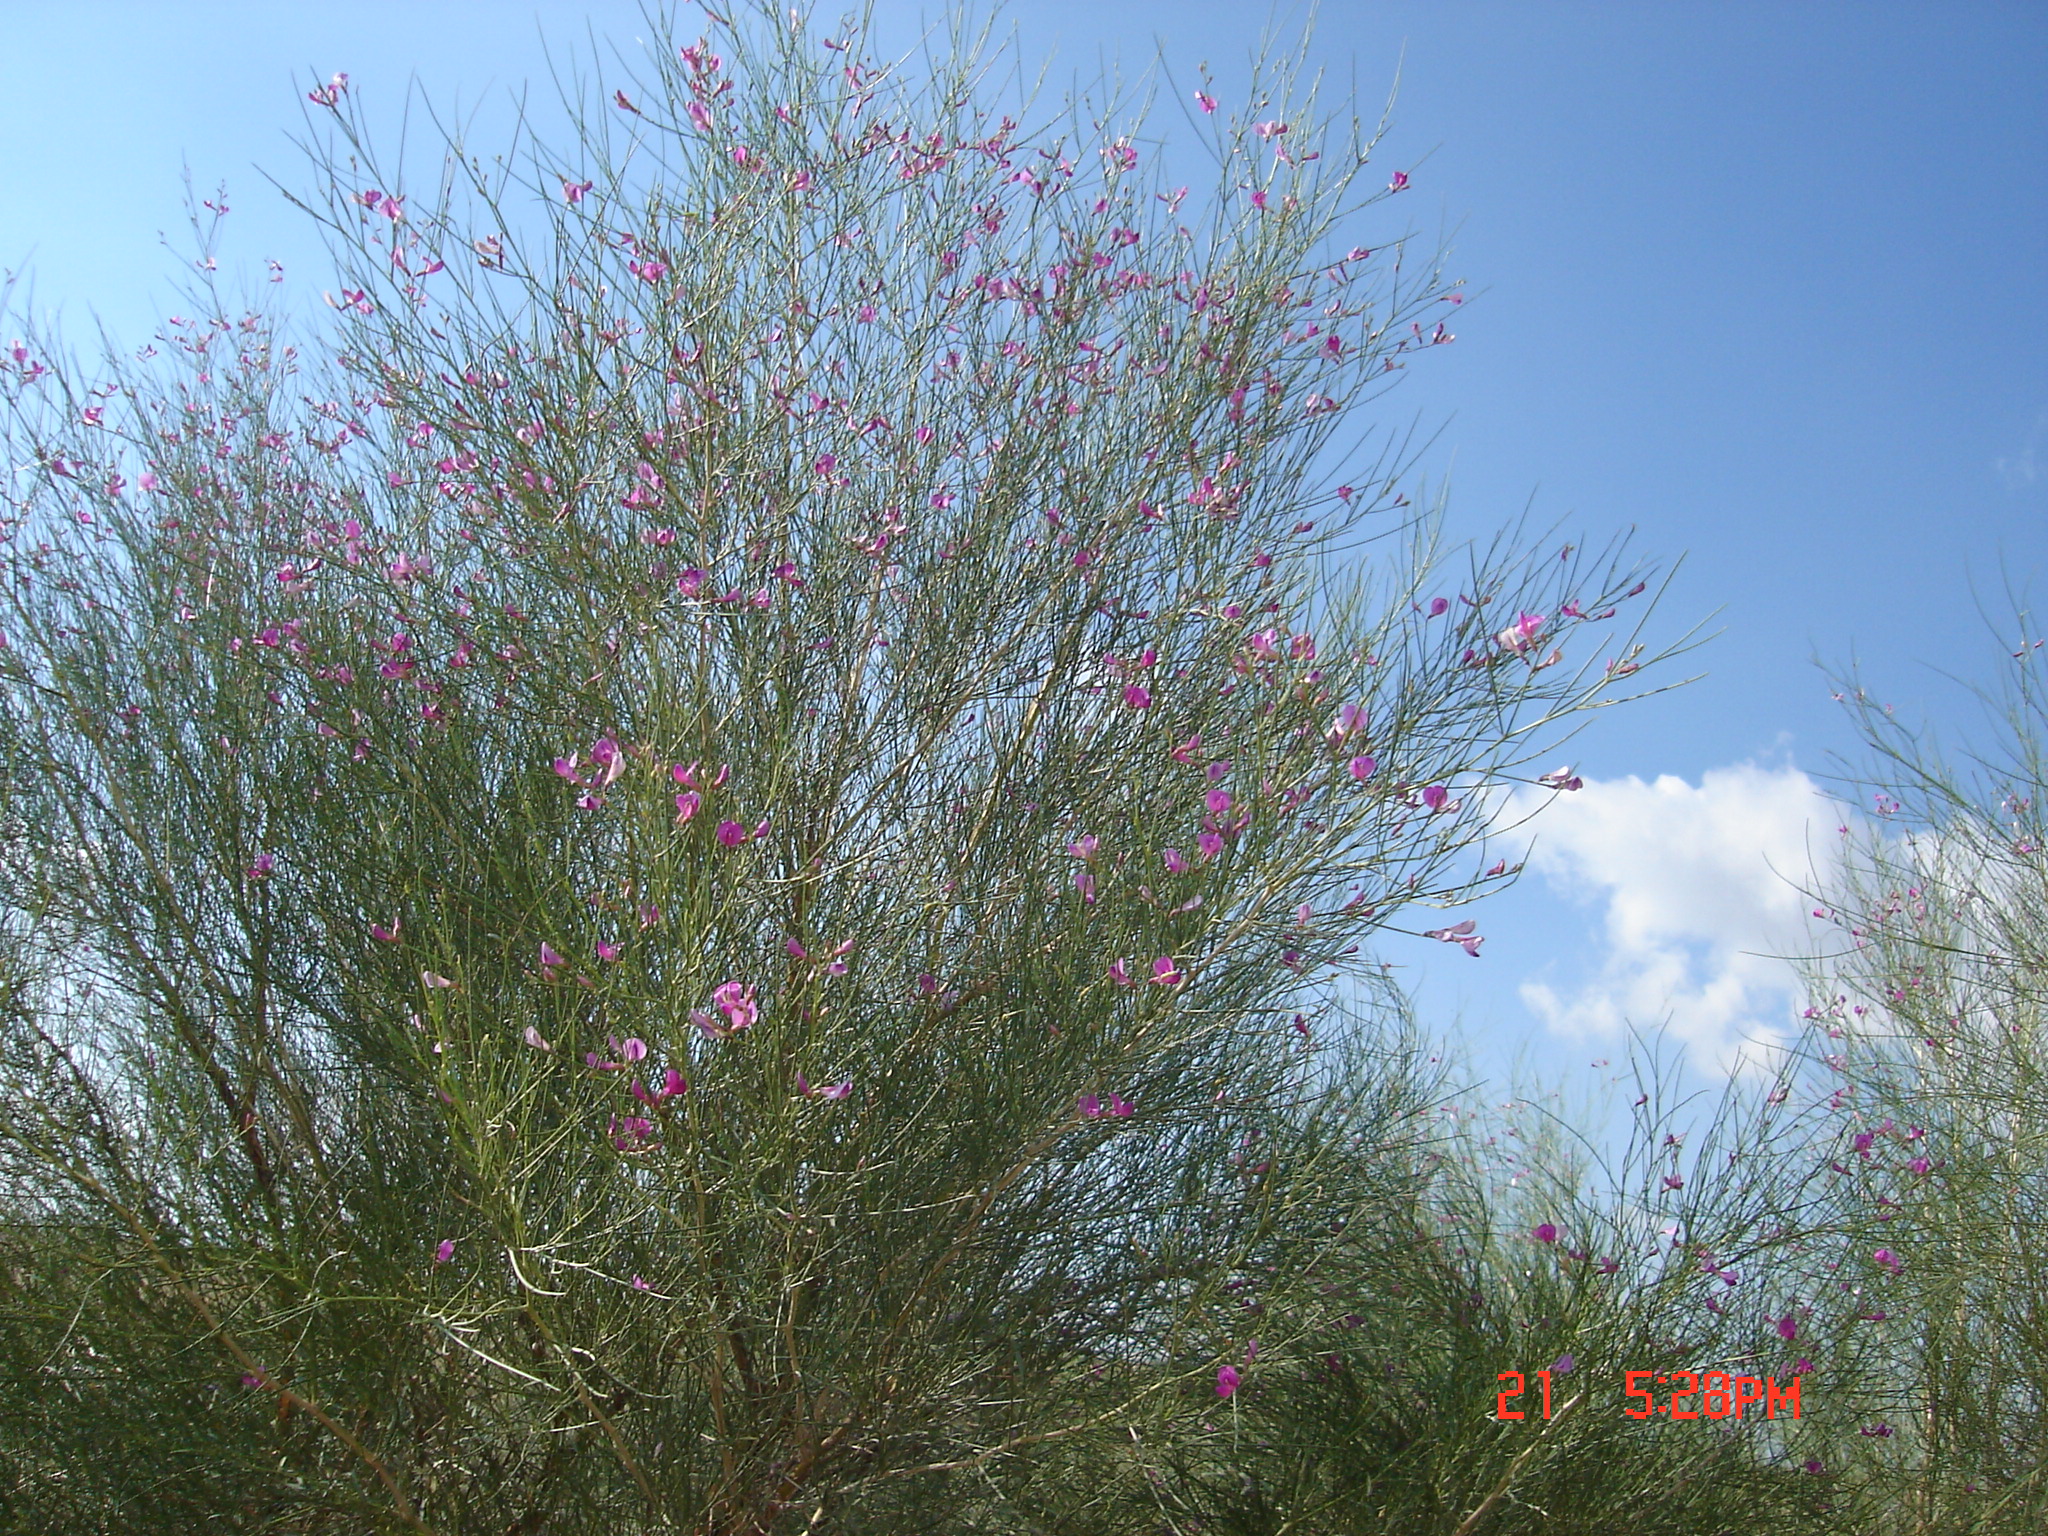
1762	282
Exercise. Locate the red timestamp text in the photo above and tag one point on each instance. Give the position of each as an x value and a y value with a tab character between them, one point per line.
1719	1395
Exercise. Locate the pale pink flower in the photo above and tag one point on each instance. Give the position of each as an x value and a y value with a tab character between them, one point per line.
1461	935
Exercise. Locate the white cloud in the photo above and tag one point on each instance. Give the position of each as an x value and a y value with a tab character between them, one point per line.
2023	468
1700	886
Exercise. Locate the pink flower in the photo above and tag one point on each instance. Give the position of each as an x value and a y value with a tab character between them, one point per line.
1545	1233
633	1048
1435	797
574	190
1174	861
1218	801
1561	778
1227	1380
1089	1107
687	804
1788	1327
672	1085
736	1002
1350	720
262	865
1165	973
385	935
1399	183
1363	768
1138	697
1121	975
608	952
434	980
1521	634
1886	1259
548	958
731	833
1083	847
1205	101
1461	934
533	1038
605	754
445	1251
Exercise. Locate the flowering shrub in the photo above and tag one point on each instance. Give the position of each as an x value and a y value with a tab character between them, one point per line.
695	874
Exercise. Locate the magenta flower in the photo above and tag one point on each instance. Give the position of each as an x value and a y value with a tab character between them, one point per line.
1886	1259
1089	1107
687	804
1227	1380
737	1004
1399	183
1137	696
1083	847
608	952
1350	720
1165	973
1218	801
1545	1233
1788	1327
445	1251
262	865
1120	973
1362	768
1521	634
1460	934
605	754
1435	797
548	958
1119	1107
634	1048
673	1085
385	935
1174	861
731	833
